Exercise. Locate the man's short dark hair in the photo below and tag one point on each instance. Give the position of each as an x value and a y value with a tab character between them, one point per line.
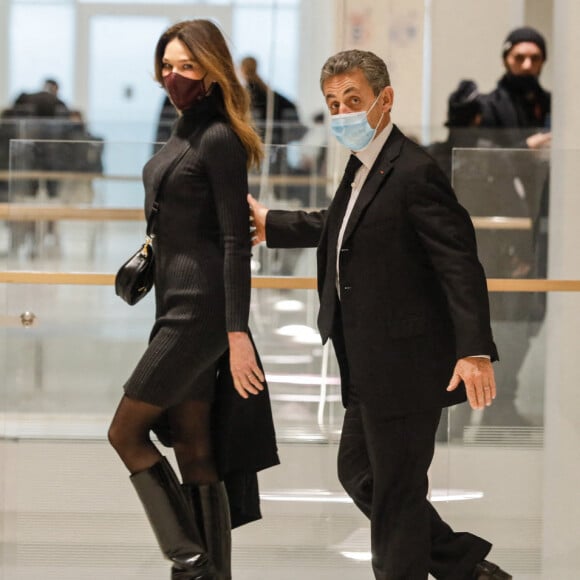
374	68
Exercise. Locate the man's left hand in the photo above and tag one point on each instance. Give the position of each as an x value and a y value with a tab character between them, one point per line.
477	375
258	213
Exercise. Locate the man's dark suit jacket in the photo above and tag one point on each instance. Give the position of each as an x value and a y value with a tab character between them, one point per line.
413	295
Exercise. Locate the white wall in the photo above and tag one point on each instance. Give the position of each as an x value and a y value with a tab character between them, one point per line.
561	547
317	24
393	29
4	23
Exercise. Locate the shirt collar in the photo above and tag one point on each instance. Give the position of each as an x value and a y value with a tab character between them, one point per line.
369	155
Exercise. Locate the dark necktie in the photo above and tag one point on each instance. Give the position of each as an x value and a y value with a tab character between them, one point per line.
345	187
336	215
341	198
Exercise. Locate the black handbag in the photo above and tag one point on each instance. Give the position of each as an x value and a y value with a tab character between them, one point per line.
136	276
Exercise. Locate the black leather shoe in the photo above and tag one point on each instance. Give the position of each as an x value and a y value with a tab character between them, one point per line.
489	571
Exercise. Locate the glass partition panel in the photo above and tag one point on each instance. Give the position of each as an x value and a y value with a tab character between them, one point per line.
506	191
69	504
64	217
62	378
81	342
67	211
66	350
70	211
4	530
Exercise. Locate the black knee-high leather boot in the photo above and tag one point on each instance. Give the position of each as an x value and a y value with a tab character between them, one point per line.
211	506
173	521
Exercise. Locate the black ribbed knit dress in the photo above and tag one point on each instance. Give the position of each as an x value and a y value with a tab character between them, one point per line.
202	252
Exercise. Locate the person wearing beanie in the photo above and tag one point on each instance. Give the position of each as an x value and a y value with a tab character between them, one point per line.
517	115
485	185
519	106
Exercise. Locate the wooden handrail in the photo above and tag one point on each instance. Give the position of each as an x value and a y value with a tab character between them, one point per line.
501	223
105	279
274	282
16	212
63	175
31	212
253	179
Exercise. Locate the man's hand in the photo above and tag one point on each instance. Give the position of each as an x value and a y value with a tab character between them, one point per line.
539	140
477	375
258	213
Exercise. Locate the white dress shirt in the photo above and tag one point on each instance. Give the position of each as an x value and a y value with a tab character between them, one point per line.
367	157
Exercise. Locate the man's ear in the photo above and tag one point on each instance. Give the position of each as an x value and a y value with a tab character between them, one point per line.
387	99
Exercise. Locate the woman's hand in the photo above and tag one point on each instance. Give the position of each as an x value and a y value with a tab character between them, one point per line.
246	373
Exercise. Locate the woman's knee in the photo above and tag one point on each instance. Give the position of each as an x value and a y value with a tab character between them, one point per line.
123	438
116	436
132	423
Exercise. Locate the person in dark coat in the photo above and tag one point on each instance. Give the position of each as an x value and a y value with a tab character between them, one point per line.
403	298
516	115
463	121
199	384
487	184
45	117
271	108
517	112
167	117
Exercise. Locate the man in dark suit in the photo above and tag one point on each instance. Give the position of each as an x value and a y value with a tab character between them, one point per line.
403	298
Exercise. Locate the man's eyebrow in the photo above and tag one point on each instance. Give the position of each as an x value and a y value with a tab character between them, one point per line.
346	92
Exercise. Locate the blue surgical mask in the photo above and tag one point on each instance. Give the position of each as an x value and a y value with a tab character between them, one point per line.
353	129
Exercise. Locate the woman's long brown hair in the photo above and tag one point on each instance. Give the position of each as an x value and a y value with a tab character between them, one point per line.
208	47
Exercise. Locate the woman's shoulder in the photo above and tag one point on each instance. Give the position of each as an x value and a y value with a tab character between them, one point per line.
219	130
219	136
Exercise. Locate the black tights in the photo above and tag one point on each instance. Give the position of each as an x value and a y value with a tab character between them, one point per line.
129	435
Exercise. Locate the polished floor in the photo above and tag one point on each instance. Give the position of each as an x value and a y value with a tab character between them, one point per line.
70	513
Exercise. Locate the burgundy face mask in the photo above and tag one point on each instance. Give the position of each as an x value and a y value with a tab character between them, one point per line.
182	91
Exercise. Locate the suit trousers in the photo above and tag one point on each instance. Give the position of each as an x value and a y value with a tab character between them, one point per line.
382	464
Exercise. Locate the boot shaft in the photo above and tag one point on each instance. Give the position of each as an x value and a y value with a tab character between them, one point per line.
173	520
211	506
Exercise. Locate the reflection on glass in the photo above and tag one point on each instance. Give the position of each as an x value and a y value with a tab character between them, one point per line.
505	191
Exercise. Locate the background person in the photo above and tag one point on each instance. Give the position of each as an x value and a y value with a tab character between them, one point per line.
283	116
167	117
487	184
463	121
202	291
517	115
44	103
403	298
519	109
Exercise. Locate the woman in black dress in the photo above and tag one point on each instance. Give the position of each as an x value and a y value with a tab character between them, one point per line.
202	290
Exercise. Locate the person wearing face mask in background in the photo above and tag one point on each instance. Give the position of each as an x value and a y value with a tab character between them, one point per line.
403	298
199	385
516	115
518	109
